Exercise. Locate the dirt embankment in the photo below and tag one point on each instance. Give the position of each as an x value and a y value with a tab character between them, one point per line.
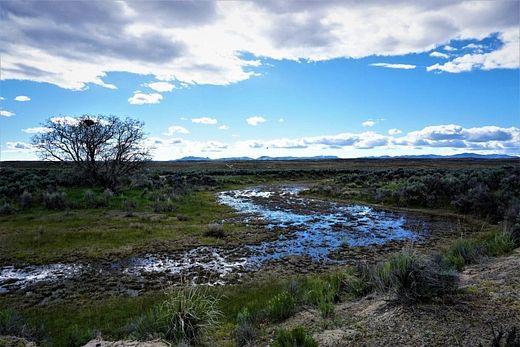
489	300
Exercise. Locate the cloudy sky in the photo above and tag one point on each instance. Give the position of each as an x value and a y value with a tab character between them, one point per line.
235	78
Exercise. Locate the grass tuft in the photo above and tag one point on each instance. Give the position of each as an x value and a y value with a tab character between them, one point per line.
296	337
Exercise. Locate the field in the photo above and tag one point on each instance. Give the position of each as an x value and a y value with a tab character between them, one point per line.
334	252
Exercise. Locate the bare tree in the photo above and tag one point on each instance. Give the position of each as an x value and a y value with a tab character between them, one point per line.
104	148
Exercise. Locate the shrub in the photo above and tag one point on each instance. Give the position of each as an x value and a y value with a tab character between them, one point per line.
162	206
182	218
358	282
7	209
106	197
11	324
55	200
321	293
26	200
129	207
185	315
90	199
245	332
296	337
409	278
281	307
215	230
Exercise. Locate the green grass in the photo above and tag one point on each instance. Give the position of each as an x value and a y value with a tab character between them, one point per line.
296	337
42	236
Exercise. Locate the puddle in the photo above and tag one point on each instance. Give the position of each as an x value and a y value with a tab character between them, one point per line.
318	227
310	227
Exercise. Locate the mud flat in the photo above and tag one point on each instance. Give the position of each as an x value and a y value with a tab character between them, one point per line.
313	229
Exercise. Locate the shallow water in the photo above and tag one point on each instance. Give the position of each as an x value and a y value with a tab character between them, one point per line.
308	227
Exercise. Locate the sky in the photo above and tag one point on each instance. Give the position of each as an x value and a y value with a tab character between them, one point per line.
268	78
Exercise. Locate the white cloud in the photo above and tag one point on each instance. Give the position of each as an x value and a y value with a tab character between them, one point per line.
2	98
395	66
474	46
160	87
368	123
6	113
176	129
204	120
142	98
19	146
255	120
223	127
22	98
505	57
439	55
37	130
65	119
203	42
281	120
449	48
394	131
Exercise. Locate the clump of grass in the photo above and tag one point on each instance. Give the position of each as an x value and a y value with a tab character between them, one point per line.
129	207
163	206
245	332
321	293
11	324
409	278
358	281
499	243
281	306
215	230
182	218
140	226
296	337
464	252
186	315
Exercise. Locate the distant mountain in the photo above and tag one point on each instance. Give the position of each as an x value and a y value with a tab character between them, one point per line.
191	158
453	156
320	157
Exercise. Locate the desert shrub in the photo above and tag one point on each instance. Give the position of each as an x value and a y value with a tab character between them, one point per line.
358	281
182	218
296	337
215	230
55	200
90	199
464	252
7	209
281	307
409	278
499	243
26	200
162	206
245	332
129	207
186	315
106	196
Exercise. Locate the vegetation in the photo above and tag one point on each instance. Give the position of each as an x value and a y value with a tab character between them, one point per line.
296	337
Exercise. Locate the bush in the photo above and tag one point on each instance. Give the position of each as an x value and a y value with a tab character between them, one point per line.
321	293
297	337
281	307
215	230
7	209
245	332
55	200
90	199
409	278
185	315
129	207
26	200
11	324
106	197
162	206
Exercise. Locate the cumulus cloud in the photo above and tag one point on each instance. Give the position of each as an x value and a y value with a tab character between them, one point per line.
368	123
505	57
19	146
176	129
160	87
255	120
22	98
5	113
436	54
394	131
223	127
395	66
37	130
142	98
204	120
73	44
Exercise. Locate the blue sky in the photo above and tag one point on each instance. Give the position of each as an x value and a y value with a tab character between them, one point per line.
214	86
